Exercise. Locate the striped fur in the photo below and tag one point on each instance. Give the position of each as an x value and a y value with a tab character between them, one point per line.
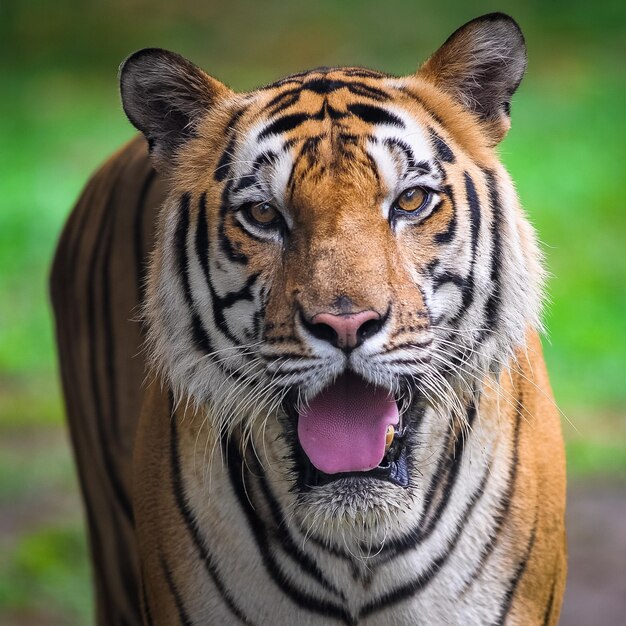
212	518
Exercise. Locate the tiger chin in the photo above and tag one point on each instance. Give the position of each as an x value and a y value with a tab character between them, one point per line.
298	335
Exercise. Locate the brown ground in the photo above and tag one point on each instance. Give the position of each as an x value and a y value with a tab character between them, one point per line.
596	585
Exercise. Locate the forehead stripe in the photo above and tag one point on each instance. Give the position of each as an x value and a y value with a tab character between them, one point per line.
278	100
323	86
282	102
365	112
375	115
284	124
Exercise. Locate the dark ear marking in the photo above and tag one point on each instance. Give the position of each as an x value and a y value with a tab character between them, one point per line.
481	65
165	96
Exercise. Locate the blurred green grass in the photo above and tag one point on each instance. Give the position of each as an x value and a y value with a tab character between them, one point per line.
60	117
44	570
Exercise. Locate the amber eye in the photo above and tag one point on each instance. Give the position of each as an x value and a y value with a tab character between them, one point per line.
262	214
412	200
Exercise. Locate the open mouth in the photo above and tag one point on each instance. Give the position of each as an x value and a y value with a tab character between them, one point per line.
351	429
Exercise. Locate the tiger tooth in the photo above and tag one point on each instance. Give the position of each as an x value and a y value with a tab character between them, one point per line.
389	435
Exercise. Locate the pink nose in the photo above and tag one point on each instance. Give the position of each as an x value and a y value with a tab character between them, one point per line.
345	331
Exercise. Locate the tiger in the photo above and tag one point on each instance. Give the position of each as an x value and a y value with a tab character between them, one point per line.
299	339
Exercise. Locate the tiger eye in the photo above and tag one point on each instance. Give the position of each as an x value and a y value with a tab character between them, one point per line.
412	199
263	213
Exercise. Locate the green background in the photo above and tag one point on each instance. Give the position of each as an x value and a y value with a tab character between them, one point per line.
60	117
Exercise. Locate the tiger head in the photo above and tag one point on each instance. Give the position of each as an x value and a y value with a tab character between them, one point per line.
340	252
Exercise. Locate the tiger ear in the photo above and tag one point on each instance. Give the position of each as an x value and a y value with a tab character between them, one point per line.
481	65
165	96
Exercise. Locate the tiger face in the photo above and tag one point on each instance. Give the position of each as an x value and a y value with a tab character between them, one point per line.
341	257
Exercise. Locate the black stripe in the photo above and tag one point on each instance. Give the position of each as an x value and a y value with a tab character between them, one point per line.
245	182
202	238
138	234
364	73
292	78
284	370
371	162
474	215
145	604
64	277
200	338
443	481
468	290
224	164
492	307
283	100
301	599
447	235
547	615
504	504
269	157
474	207
375	115
326	110
418	98
218	303
226	246
183	616
443	278
351	139
244	293
323	85
250	180
104	234
423	580
180	244
308	150
442	149
223	167
69	322
107	325
191	524
284	124
401	361
125	570
283	355
367	91
304	561
519	572
411	344
104	594
285	104
102	250
397	144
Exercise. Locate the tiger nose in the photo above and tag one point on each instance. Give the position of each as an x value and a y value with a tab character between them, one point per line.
345	331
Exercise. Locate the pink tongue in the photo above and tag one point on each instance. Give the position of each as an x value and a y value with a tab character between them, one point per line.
343	428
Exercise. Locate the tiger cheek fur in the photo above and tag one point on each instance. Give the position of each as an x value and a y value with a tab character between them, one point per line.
347	418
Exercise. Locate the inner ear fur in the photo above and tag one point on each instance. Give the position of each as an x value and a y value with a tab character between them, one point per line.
165	96
481	65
